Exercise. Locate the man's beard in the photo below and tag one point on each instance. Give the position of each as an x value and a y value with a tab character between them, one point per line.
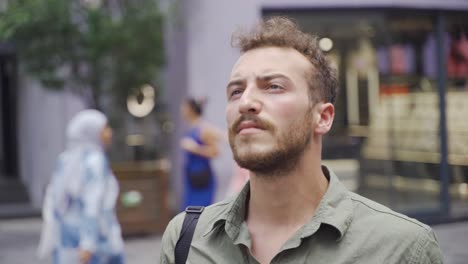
280	159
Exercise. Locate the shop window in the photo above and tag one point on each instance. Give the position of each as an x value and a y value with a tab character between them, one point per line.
456	55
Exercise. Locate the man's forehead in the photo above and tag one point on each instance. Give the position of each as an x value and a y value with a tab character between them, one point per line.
261	72
266	60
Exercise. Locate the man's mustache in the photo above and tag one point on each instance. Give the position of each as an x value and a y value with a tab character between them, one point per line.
260	123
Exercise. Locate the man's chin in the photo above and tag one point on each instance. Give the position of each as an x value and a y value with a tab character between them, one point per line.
250	150
247	163
250	159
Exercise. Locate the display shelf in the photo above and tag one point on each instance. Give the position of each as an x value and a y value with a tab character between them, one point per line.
405	127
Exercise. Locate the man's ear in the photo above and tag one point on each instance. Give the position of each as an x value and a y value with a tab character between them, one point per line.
326	114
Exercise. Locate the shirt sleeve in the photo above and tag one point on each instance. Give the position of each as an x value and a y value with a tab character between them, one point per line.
169	239
92	199
427	250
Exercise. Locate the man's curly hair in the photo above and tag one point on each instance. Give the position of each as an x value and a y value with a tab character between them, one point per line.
283	32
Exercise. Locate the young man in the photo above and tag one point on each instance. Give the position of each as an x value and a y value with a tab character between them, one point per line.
293	210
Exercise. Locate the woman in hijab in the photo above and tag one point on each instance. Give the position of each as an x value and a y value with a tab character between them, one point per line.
200	145
80	225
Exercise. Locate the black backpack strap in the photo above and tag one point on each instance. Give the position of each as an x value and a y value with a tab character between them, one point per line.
192	213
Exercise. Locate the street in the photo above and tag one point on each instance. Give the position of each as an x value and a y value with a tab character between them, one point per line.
19	238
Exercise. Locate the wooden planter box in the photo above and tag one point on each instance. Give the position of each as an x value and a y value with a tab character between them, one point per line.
148	179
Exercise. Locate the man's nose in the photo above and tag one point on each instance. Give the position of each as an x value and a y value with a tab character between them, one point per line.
250	102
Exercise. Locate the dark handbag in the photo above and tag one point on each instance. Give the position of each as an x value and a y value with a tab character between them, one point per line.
200	179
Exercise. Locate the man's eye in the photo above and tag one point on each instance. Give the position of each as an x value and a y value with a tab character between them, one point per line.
236	92
274	86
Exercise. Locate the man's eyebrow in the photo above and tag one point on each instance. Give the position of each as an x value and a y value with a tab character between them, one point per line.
235	82
270	77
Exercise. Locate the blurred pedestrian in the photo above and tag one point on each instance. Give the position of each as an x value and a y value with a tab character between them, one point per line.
80	224
200	145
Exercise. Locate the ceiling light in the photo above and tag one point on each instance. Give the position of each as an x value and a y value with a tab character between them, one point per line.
325	44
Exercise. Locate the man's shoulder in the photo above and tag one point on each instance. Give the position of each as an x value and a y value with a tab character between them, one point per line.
406	237
206	223
380	219
210	215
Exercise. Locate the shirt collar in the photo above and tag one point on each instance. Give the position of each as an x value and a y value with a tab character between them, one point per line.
334	210
233	219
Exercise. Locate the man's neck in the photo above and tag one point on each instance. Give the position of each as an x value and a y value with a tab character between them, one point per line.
280	205
287	200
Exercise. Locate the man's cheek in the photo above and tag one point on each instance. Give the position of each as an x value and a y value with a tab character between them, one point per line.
230	118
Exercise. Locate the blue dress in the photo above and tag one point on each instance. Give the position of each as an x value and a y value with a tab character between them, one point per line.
194	162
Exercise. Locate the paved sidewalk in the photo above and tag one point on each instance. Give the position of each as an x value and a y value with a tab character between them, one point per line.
19	238
453	240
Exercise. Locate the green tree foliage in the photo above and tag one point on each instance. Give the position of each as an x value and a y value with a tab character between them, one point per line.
89	46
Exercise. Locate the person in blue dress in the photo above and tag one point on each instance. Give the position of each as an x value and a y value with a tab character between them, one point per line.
200	146
80	224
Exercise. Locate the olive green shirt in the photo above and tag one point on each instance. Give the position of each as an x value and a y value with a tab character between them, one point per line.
346	228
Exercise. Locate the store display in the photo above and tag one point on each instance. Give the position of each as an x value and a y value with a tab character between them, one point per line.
429	60
383	60
457	61
405	127
362	83
401	59
396	59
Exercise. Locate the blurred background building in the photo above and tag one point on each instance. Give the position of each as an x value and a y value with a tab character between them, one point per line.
400	135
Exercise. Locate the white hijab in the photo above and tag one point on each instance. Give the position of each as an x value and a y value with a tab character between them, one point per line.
84	130
83	137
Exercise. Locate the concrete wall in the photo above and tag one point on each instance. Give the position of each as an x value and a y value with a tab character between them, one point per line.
42	119
175	89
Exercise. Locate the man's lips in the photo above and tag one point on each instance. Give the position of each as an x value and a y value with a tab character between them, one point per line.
247	125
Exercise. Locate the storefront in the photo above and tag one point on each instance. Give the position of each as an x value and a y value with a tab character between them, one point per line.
400	135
